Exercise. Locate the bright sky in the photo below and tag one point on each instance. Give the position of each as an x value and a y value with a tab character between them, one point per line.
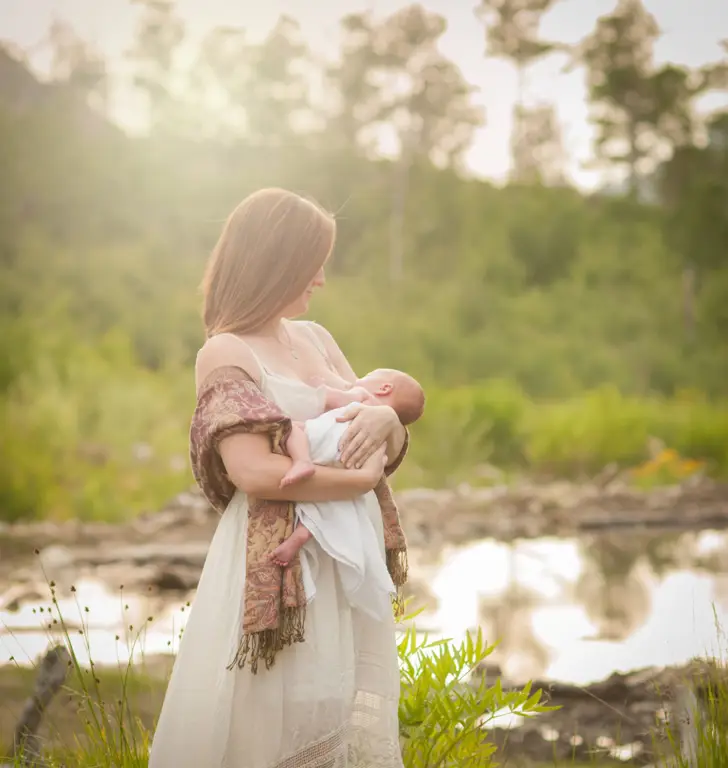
692	29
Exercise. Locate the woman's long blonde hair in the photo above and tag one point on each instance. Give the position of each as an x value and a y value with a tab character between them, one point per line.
270	249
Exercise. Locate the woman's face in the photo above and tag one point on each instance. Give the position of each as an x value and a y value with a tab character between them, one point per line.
300	305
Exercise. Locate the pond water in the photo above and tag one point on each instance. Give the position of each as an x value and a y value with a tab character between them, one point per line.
577	610
574	610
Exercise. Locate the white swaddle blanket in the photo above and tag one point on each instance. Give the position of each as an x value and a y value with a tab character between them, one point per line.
344	530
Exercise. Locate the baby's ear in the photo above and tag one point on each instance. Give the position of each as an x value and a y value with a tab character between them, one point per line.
385	389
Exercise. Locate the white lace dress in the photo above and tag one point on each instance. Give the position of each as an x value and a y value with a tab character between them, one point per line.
330	702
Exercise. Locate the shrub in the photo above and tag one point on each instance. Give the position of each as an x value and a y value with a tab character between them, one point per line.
442	716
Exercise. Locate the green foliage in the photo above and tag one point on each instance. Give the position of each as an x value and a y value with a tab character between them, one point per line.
553	331
497	424
442	715
89	433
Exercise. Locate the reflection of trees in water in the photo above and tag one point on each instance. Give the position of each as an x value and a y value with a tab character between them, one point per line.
613	586
611	589
508	620
668	551
614	589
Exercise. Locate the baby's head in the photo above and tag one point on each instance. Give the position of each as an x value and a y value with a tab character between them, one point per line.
398	390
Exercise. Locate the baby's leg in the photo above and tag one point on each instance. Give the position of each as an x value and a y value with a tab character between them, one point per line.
283	554
298	450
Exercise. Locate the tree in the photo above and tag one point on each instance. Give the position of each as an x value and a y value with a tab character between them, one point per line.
357	95
277	99
221	77
539	157
640	111
716	73
426	98
155	51
77	67
512	33
422	97
693	187
259	89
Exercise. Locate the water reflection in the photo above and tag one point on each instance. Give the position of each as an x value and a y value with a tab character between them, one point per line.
576	609
107	626
568	609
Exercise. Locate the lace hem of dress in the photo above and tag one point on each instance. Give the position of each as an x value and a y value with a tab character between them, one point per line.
347	747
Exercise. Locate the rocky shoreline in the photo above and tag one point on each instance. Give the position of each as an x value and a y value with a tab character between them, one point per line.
504	512
166	549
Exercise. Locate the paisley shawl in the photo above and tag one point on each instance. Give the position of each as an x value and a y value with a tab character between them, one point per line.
229	402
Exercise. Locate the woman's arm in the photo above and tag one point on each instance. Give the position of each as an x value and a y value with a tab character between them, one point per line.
256	470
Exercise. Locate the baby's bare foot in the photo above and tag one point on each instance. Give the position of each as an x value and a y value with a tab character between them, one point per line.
283	554
300	470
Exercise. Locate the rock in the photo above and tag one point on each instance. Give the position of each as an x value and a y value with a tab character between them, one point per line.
12	599
625	704
168	580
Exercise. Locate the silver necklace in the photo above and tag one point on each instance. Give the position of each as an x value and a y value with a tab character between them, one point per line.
289	343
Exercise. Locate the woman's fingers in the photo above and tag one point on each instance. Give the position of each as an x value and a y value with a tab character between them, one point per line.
365	452
352	447
350	413
345	442
353	430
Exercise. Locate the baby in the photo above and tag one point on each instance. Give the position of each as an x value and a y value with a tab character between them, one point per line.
382	387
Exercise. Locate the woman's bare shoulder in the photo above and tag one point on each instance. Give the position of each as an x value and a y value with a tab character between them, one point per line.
222	351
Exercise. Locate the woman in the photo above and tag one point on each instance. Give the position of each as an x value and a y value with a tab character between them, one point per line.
327	694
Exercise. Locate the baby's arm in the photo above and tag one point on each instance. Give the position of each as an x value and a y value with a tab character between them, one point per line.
339	398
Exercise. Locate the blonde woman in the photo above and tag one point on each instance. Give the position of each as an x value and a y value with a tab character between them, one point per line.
266	677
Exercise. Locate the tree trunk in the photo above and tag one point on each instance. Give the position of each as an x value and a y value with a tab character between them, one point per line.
688	285
633	181
517	131
400	191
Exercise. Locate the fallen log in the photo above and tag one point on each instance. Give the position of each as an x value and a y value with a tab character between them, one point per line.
52	673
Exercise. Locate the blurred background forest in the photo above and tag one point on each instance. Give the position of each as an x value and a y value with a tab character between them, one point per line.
557	331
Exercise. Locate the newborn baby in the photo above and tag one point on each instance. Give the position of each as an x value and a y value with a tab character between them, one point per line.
382	387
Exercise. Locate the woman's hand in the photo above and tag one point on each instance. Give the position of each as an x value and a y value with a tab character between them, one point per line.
368	430
372	470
